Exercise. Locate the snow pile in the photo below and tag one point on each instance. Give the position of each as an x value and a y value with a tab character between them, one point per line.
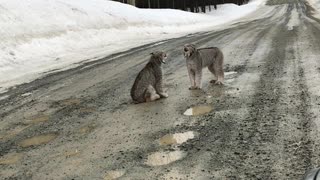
294	19
316	5
39	36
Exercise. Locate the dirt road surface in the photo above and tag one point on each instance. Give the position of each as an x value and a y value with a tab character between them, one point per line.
264	123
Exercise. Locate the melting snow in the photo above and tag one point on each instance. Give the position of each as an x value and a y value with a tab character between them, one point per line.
39	36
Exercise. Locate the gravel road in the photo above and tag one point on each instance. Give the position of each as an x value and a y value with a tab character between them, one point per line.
264	123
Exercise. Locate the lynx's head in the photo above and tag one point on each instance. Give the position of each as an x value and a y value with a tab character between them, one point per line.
189	50
158	57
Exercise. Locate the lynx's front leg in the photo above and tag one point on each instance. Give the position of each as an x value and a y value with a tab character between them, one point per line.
192	78
151	94
159	89
198	77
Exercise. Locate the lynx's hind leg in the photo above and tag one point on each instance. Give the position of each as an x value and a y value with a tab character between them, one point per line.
211	69
151	94
218	67
192	78
198	78
219	74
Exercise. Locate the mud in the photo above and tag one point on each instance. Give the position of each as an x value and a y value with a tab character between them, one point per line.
37	140
10	159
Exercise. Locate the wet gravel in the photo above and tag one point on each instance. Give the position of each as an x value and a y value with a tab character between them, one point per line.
264	122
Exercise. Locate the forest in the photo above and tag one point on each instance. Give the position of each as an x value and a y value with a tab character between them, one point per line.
186	5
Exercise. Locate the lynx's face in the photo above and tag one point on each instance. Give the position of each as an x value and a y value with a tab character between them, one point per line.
188	50
159	57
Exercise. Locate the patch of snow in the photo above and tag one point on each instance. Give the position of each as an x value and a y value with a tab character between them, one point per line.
316	5
188	112
40	36
294	20
26	94
4	97
230	73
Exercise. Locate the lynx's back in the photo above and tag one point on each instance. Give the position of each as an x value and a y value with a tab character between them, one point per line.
209	55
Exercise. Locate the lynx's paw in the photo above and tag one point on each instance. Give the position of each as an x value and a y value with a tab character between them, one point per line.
218	83
163	95
194	88
153	98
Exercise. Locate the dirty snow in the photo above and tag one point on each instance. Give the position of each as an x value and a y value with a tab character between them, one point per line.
294	20
316	5
38	37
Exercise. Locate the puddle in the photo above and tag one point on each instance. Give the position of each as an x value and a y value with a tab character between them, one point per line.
13	132
70	102
38	119
87	110
37	140
71	153
198	110
113	175
10	158
87	129
164	158
178	138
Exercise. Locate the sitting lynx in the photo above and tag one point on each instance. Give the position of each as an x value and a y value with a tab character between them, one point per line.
148	84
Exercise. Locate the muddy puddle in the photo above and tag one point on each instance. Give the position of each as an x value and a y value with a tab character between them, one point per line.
37	140
177	138
71	153
198	110
113	175
87	110
10	158
87	129
13	132
164	158
38	119
69	102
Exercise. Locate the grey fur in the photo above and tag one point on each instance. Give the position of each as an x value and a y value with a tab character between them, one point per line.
197	59
148	84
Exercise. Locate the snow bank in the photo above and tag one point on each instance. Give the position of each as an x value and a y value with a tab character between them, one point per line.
316	5
40	36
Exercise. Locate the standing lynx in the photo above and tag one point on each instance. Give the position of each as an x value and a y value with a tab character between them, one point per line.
197	59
